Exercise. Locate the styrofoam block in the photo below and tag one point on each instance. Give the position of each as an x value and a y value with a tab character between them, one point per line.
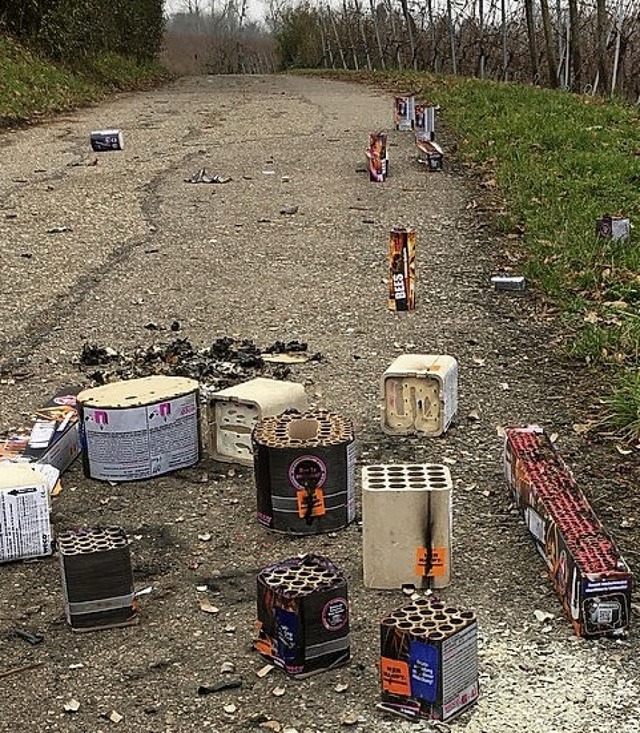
419	394
233	412
406	514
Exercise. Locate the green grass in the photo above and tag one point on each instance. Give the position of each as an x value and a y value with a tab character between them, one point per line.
31	87
555	162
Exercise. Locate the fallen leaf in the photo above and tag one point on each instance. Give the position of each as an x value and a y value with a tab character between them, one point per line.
208	607
474	414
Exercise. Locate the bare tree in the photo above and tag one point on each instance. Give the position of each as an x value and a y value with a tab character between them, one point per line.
531	33
363	35
575	44
409	22
548	41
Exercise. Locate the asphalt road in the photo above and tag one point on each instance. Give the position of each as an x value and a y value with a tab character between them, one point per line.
99	252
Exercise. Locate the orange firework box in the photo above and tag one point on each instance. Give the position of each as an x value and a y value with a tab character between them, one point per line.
402	269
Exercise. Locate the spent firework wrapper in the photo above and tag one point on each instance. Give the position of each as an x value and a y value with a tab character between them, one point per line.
402	269
103	141
404	112
304	467
377	160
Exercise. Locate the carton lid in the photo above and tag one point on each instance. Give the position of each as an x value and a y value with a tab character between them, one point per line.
17	475
137	392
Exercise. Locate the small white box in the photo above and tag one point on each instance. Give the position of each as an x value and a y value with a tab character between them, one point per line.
25	525
233	412
419	394
406	518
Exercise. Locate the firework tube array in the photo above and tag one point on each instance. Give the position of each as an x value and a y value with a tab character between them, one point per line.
429	660
303	615
97	578
407	519
588	572
304	466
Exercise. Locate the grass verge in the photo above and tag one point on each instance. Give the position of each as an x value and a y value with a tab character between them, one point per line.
554	163
31	87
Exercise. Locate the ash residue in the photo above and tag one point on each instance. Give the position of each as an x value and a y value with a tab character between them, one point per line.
226	362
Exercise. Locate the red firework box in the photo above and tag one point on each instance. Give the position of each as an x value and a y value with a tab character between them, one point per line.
378	162
402	269
588	572
303	615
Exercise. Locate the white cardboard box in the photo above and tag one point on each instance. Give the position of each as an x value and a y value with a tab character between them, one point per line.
25	525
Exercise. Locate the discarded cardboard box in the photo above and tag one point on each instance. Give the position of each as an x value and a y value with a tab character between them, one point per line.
53	439
25	525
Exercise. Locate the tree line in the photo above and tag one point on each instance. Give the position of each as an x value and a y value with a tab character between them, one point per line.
589	46
217	37
70	30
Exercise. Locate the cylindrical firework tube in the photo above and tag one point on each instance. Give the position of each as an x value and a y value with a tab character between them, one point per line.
402	269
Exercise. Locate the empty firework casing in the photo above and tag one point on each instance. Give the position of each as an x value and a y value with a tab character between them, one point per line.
407	518
54	437
97	578
303	615
404	112
402	269
378	161
507	282
425	121
590	576
140	428
429	152
25	523
234	412
103	141
429	660
613	227
304	467
419	394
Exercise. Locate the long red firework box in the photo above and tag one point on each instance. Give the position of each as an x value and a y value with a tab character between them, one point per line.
303	615
586	568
